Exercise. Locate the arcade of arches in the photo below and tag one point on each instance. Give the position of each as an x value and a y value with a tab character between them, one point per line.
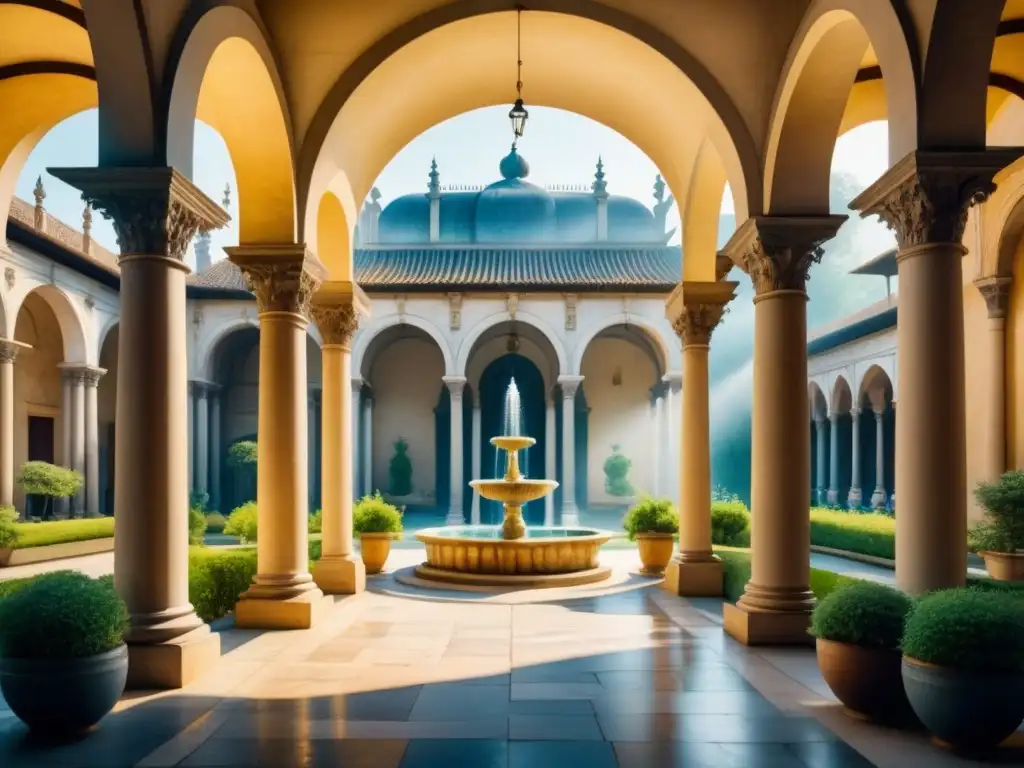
303	95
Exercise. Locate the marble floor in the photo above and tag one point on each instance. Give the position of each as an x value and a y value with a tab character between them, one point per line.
615	675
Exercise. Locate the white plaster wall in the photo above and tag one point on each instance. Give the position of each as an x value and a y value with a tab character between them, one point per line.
619	415
853	361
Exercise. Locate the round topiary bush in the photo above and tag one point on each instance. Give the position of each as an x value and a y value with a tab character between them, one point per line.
374	515
730	524
863	613
967	629
61	615
243	522
651	516
215	522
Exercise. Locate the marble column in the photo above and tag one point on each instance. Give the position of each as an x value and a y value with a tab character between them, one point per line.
202	437
833	459
695	571
66	415
91	380
777	252
8	354
996	291
367	445
550	456
672	441
821	445
336	309
215	447
156	213
456	385
191	422
855	497
476	450
570	512
878	497
283	596
925	198
78	433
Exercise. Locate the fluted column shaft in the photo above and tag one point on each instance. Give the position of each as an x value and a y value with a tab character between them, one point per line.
156	213
570	512
8	354
925	198
283	595
833	469
336	310
854	498
456	385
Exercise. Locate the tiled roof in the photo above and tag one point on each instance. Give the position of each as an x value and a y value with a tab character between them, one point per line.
656	268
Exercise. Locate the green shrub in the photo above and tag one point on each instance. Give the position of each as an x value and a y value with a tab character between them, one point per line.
216	579
736	574
61	615
1003	527
616	472
730	524
863	613
374	515
987	584
867	534
243	522
8	529
215	522
400	470
39	478
63	531
968	629
242	454
315	550
651	516
196	526
316	522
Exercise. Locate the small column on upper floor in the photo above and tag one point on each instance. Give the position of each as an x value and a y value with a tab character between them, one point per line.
456	386
434	196
570	512
996	291
855	498
832	497
8	354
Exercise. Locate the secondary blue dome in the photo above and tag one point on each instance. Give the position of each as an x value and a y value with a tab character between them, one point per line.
405	220
630	221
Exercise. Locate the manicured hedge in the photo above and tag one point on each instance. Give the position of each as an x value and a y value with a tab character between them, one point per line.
63	531
736	570
216	579
868	534
730	524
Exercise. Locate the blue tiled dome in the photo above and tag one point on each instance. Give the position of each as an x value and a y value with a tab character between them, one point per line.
405	220
630	221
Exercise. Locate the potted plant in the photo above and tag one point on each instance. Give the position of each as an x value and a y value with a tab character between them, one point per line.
377	523
653	523
1000	536
858	629
963	666
63	661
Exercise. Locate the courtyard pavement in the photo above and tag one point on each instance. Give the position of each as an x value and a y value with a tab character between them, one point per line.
617	674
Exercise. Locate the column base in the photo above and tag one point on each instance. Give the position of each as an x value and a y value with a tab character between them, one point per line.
752	627
878	499
854	499
570	516
701	579
299	612
340	575
173	664
454	517
832	497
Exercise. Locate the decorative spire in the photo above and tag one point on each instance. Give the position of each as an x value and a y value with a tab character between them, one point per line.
659	188
87	228
434	187
39	192
39	214
600	186
226	202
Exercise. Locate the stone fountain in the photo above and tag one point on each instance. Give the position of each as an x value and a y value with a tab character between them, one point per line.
513	554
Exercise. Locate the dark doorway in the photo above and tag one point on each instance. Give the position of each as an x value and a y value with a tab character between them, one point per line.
40	448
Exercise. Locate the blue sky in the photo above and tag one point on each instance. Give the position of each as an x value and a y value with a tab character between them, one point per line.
561	147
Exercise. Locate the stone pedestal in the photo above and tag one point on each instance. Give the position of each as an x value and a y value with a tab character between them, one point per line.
156	213
337	308
777	253
283	595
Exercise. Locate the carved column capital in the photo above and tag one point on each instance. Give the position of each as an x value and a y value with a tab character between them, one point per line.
569	386
91	376
924	198
283	277
456	386
778	251
337	309
699	309
155	211
996	292
9	349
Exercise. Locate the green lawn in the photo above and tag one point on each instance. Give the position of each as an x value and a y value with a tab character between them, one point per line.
868	534
62	531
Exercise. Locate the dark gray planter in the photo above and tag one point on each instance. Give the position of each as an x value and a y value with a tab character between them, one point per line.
965	710
64	696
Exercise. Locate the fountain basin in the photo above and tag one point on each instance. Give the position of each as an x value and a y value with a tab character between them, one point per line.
478	554
515	492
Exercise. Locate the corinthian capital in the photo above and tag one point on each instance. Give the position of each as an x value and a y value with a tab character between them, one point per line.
924	198
283	277
778	251
155	211
698	309
337	309
9	349
996	292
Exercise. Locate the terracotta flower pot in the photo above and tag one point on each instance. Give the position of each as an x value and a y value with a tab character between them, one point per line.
375	548
867	681
964	709
1004	566
655	552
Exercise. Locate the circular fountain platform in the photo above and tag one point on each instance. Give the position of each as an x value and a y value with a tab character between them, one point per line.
545	557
